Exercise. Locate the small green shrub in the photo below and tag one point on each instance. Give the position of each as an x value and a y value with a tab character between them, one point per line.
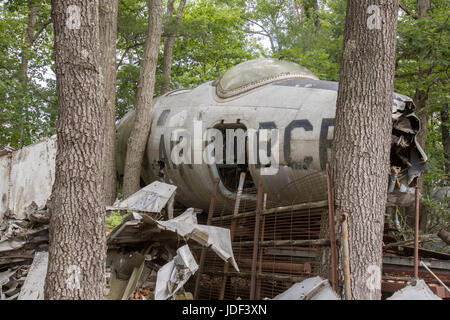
114	219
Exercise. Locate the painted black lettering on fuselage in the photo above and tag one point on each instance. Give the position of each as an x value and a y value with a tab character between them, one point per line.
268	126
324	144
307	161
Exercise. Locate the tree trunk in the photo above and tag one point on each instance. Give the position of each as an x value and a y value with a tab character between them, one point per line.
315	6
362	137
168	45
108	36
169	13
141	127
445	127
77	252
423	7
297	9
33	11
421	102
421	95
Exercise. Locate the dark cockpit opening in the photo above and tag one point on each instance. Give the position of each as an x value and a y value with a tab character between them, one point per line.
229	173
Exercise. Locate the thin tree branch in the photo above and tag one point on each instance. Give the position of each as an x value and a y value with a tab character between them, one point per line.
137	44
415	73
38	33
405	8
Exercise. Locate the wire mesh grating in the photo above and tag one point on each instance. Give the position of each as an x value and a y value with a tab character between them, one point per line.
284	254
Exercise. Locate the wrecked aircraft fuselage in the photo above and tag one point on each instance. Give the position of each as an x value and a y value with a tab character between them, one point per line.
294	106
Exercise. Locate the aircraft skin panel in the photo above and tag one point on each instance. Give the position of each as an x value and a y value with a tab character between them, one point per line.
253	109
302	110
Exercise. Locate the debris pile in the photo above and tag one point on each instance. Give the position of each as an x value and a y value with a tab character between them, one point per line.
20	240
398	262
144	263
150	257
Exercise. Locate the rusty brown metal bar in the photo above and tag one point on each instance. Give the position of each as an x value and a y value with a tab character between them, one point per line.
260	260
300	206
444	235
259	205
212	208
346	256
282	267
279	243
333	250
435	276
268	276
232	230
416	236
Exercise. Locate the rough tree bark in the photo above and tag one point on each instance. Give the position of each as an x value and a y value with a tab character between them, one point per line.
108	36
362	136
445	128
141	127
169	43
315	5
423	7
77	252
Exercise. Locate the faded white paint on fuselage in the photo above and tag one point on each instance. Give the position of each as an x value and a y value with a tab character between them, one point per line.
298	113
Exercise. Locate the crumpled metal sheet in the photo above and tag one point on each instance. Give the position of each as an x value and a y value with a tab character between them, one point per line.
315	288
406	153
19	240
5	279
140	228
11	244
16	234
16	237
174	274
415	291
216	238
408	160
152	198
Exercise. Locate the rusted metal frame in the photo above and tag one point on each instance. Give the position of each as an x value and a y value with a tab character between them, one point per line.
435	276
333	250
404	278
259	206
232	230
268	276
212	208
300	206
416	236
346	256
277	243
279	266
258	283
